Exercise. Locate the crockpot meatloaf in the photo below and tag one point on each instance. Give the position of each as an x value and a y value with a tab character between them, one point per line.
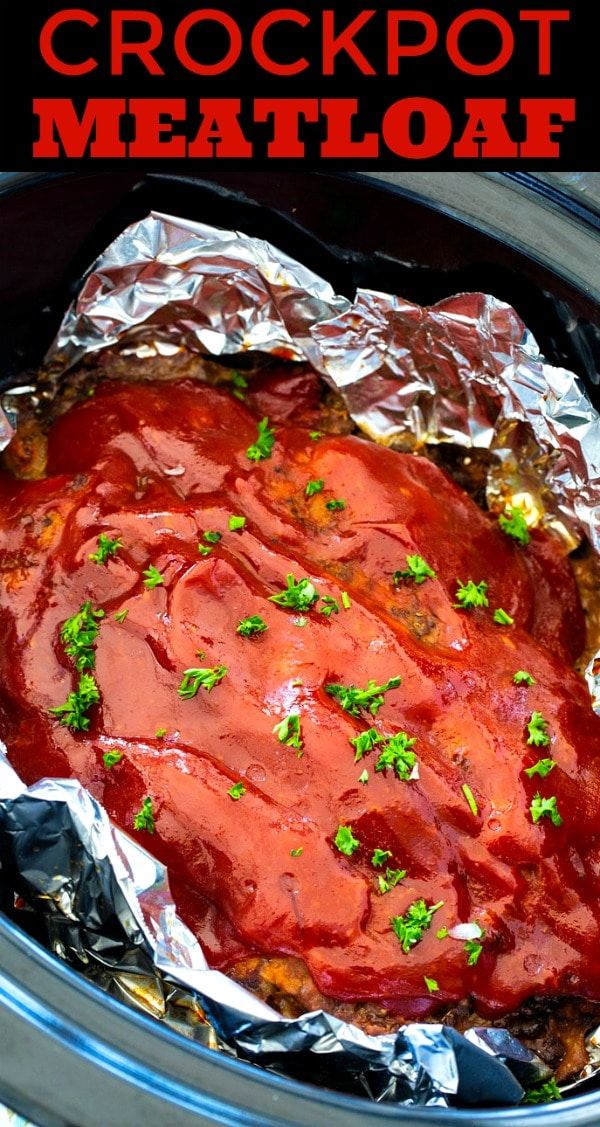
333	694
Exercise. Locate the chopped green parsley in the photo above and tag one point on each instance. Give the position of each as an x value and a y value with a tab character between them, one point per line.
545	808
335	506
417	569
471	594
536	727
410	927
263	447
236	523
121	615
522	677
330	607
315	435
237	791
390	880
346	600
431	984
316	486
352	699
144	819
254	624
204	550
300	594
160	733
106	547
442	933
365	741
153	578
513	523
193	679
240	383
473	948
543	1094
78	635
397	754
212	537
542	768
296	852
470	797
72	714
345	841
111	758
502	618
289	731
379	857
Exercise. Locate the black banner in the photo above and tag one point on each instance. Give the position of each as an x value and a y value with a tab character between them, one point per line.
443	85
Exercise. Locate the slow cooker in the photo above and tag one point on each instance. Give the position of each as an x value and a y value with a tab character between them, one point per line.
69	1054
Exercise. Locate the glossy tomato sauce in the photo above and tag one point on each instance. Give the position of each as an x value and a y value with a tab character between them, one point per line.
157	466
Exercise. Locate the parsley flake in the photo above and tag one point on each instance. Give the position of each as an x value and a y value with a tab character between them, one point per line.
72	714
289	731
121	615
522	677
417	569
352	699
300	594
335	506
390	880
502	618
193	679
442	933
431	984
536	727
346	600
315	435
417	919
78	635
144	819
364	776
204	550
254	624
366	741
473	948
153	577
263	447
471	595
470	797
237	791
545	1093
236	523
545	808
212	537
379	856
160	733
316	486
240	383
513	523
296	852
106	547
345	841
542	768
331	606
111	758
396	754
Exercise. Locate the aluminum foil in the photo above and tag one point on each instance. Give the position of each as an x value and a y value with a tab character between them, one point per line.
464	372
107	910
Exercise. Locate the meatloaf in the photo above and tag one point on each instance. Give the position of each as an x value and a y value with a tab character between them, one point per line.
327	689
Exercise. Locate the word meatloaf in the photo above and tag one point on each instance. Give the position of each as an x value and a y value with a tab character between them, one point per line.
320	683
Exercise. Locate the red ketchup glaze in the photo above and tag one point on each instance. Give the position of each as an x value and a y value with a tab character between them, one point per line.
157	466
